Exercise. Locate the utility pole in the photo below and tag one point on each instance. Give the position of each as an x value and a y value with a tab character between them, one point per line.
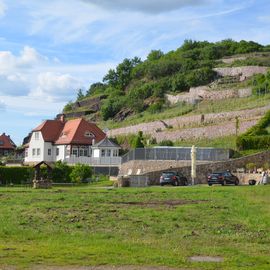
193	164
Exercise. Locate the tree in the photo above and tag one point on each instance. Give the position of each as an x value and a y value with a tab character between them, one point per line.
68	107
138	141
155	55
80	172
80	95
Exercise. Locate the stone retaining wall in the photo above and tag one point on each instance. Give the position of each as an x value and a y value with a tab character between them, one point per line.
196	94
182	126
244	72
204	169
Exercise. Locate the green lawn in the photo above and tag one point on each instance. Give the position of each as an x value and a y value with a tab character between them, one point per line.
99	226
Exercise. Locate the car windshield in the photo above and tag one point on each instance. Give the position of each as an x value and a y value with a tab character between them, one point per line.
168	173
216	174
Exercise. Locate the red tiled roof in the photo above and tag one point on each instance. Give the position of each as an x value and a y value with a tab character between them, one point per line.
50	129
70	132
6	142
74	132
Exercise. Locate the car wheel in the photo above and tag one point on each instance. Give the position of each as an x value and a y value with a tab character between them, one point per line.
162	184
209	185
185	183
223	183
236	182
176	183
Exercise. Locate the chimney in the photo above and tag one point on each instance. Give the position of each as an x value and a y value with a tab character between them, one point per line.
93	141
62	118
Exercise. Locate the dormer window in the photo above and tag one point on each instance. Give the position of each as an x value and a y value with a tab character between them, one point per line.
63	135
1	142
89	134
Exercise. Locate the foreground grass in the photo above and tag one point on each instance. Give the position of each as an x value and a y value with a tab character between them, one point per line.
94	226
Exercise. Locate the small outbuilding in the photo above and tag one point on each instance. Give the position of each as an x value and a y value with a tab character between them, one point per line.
41	179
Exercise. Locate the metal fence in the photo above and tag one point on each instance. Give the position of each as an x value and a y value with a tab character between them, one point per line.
102	161
176	153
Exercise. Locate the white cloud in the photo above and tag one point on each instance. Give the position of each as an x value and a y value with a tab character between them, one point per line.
149	6
53	86
2	106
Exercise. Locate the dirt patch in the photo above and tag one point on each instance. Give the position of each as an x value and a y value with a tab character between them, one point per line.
206	259
162	203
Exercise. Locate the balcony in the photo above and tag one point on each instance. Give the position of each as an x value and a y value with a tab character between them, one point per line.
102	161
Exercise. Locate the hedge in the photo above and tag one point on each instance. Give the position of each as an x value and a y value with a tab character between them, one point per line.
253	142
15	175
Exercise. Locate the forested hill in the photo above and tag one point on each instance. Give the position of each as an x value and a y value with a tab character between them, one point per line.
135	86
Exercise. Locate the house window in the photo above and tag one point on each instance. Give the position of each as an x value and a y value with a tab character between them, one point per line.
108	153
38	151
57	151
36	136
81	152
49	152
103	152
115	153
1	142
26	152
75	152
89	134
33	152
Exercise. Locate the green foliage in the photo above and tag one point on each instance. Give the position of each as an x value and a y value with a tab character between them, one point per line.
61	172
132	82
261	84
96	88
80	95
138	141
15	175
166	143
80	172
253	142
68	107
155	55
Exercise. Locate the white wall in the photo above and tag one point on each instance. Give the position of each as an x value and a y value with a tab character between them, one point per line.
61	155
35	143
96	153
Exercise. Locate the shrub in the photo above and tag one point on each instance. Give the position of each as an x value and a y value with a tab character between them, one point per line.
80	172
166	143
16	175
61	172
253	142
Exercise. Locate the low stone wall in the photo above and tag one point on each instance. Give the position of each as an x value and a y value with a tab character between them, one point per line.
196	94
204	169
243	72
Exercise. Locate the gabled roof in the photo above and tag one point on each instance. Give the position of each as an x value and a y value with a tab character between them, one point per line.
74	132
70	132
50	129
6	142
106	143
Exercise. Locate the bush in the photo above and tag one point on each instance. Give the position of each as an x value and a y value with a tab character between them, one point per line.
253	142
80	173
61	172
166	143
16	175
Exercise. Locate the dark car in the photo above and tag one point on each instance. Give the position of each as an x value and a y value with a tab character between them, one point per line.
173	178
222	178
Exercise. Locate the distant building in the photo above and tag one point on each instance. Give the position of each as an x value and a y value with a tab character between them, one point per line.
7	146
73	141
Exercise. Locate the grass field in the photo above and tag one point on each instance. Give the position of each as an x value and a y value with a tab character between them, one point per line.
149	226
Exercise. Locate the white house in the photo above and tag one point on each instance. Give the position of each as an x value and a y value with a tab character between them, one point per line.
72	141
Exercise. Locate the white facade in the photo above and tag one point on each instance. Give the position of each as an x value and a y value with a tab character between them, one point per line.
39	150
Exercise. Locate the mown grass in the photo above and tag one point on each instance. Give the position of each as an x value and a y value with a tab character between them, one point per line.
98	226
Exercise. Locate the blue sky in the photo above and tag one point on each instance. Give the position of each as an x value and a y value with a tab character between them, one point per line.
49	49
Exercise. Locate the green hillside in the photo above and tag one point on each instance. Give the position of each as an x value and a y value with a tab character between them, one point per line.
136	89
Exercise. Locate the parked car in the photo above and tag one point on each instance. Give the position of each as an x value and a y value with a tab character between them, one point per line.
173	178
222	178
